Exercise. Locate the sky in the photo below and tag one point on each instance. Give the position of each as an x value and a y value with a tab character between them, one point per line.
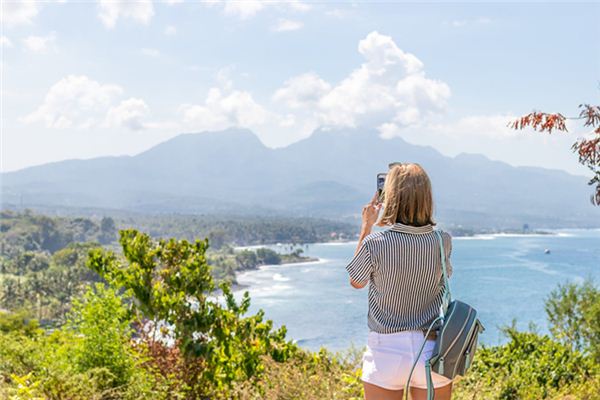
83	79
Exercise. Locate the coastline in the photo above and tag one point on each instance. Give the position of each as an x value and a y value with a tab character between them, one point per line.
236	286
491	235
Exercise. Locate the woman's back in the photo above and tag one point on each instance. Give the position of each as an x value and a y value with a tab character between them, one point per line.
403	267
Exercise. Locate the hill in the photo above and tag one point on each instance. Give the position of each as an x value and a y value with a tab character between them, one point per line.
330	174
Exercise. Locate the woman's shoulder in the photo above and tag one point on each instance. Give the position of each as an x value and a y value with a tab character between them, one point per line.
374	237
446	237
445	234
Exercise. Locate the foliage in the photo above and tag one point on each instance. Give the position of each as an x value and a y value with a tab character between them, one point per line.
574	315
318	375
18	322
240	230
529	366
41	268
190	340
103	323
170	283
588	149
27	231
96	360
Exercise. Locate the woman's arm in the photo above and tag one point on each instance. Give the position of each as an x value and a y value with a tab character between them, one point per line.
370	212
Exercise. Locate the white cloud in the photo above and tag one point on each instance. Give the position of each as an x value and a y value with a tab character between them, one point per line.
389	91
170	30
111	10
172	2
5	42
128	114
150	52
223	109
77	101
40	44
285	25
304	90
389	87
249	8
16	13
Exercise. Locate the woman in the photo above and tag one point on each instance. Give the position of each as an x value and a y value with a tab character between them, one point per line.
402	266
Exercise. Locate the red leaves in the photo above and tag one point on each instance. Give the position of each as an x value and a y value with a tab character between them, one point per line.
591	114
588	150
541	121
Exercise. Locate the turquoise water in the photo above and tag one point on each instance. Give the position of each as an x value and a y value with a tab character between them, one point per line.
505	277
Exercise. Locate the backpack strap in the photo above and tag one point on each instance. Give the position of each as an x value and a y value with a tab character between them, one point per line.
427	365
447	297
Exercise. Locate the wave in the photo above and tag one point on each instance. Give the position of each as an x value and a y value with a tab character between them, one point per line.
280	278
476	237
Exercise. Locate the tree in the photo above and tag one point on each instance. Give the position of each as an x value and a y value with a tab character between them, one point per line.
574	315
588	149
170	285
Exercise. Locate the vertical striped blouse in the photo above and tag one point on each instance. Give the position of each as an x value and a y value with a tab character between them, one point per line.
404	270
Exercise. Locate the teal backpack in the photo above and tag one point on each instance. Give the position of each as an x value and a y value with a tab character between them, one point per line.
456	340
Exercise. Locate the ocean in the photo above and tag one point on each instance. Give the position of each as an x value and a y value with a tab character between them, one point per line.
505	277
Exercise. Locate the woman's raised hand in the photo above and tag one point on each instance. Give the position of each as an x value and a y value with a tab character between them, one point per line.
370	212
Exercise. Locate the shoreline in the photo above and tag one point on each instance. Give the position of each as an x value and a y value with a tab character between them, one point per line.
235	286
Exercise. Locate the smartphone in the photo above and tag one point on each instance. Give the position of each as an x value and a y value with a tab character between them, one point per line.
380	184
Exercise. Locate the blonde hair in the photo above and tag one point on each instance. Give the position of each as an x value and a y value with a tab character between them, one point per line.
407	196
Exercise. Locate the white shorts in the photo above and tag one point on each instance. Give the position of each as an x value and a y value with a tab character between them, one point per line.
389	357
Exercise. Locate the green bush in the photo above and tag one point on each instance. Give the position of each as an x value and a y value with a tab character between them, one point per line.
19	321
170	285
574	315
529	366
103	323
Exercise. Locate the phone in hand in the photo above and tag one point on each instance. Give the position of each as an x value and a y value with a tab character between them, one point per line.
380	184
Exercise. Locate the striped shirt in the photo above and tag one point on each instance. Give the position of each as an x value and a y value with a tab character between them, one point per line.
404	270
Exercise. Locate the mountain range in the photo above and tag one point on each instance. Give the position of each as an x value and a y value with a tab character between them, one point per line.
330	174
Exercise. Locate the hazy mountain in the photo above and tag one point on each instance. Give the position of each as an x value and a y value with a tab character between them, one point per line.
329	174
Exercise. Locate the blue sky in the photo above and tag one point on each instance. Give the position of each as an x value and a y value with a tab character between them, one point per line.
86	79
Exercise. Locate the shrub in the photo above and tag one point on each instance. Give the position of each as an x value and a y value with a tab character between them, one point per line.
103	322
170	283
18	322
529	366
574	316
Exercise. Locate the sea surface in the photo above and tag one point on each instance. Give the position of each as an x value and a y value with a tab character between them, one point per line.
505	277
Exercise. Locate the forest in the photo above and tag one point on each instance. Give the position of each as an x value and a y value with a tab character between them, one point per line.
91	310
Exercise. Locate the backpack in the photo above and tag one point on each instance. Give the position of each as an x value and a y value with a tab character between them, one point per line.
457	337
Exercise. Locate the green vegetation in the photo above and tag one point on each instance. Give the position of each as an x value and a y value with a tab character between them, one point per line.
155	330
240	230
42	260
149	320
